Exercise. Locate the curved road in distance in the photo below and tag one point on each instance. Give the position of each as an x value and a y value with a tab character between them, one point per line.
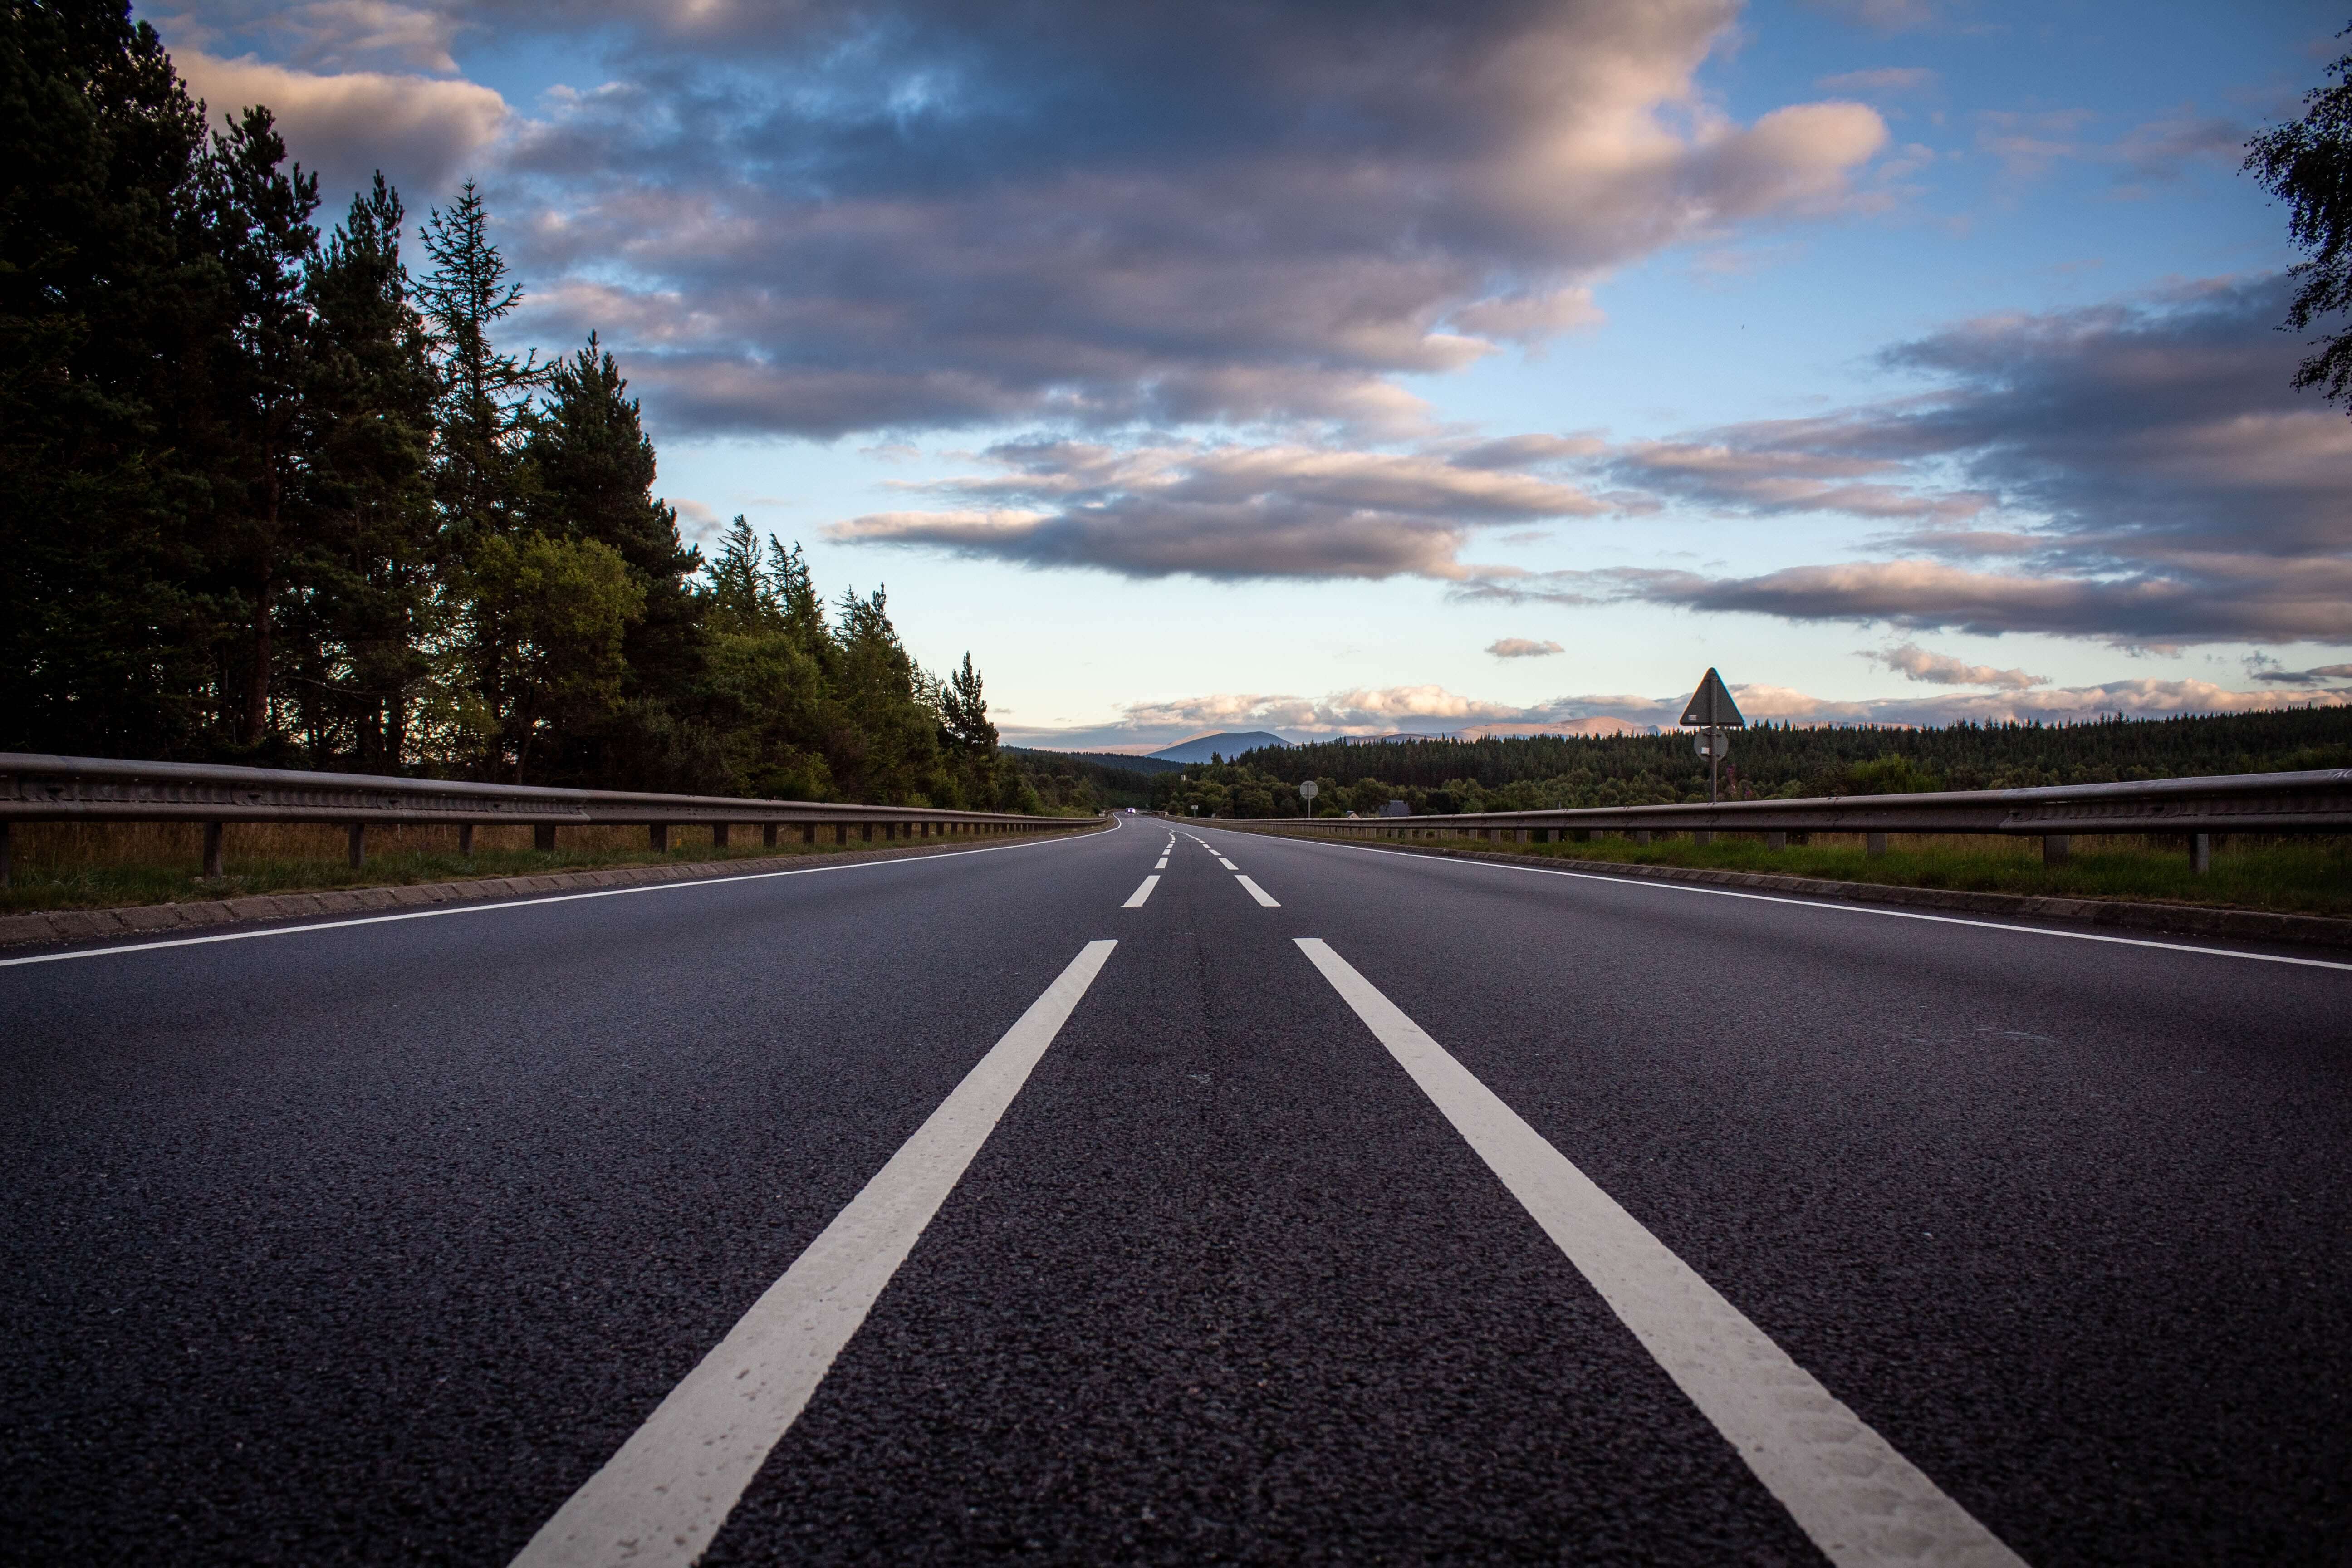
1282	1203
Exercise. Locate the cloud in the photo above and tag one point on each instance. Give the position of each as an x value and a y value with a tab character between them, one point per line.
1943	670
1435	710
2161	150
840	216
424	134
1885	81
2158	480
1523	647
2306	677
1881	15
1221	512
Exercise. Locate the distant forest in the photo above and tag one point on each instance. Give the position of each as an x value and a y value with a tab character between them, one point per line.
281	497
1767	762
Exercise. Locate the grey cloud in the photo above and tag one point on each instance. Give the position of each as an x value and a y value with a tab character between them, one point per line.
1942	670
1221	512
1523	647
1884	81
846	217
422	132
2305	677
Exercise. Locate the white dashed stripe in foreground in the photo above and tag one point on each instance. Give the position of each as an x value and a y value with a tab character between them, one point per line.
1227	864
1863	1503
1135	900
1264	899
660	1499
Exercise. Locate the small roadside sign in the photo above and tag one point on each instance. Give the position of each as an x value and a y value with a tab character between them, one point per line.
1309	790
1712	706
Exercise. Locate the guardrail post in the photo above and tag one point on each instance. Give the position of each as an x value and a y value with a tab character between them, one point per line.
213	871
466	839
2201	852
358	845
768	834
542	838
1641	835
657	837
1776	841
5	867
1873	846
1702	837
2057	848
866	831
718	835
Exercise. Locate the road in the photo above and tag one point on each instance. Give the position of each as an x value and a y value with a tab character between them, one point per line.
1307	1204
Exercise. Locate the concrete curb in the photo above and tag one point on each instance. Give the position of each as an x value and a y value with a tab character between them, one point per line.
153	919
2176	920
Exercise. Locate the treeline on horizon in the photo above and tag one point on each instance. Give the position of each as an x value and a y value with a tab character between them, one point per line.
273	500
1770	761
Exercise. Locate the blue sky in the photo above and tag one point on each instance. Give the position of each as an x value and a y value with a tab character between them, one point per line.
1350	368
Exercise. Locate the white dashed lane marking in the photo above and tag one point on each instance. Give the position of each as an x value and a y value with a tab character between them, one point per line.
1264	899
1135	900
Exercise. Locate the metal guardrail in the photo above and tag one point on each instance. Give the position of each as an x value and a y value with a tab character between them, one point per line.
2319	800
37	788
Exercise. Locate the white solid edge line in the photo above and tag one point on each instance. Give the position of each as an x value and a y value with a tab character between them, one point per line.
1835	907
487	905
1264	899
1135	900
1863	1503
658	1501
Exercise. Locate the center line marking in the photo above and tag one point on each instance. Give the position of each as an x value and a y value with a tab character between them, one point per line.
1135	900
1264	899
1227	864
1160	864
660	1499
1863	1504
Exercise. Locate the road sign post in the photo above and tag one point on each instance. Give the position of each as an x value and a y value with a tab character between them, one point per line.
1712	706
1308	790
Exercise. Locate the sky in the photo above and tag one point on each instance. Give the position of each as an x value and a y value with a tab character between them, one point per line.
1354	368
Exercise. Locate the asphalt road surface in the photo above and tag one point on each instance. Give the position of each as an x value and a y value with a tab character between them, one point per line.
1284	1203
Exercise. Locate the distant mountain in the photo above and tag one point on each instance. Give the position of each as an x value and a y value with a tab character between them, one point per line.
1115	759
1228	744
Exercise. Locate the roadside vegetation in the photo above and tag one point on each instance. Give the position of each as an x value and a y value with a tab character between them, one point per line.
1770	762
2292	876
80	865
279	494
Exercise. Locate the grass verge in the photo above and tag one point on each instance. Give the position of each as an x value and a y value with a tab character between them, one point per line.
84	866
2294	876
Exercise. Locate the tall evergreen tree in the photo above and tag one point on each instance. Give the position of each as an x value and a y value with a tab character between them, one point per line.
486	392
589	476
374	559
259	213
107	296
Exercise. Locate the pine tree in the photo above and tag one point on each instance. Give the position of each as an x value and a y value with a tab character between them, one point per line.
259	213
374	562
107	298
484	393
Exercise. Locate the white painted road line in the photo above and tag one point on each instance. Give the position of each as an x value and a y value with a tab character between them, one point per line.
488	906
1160	864
660	1499
1264	899
1135	900
1832	907
1227	864
1862	1502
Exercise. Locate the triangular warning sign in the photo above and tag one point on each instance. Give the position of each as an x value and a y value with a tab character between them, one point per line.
1712	704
